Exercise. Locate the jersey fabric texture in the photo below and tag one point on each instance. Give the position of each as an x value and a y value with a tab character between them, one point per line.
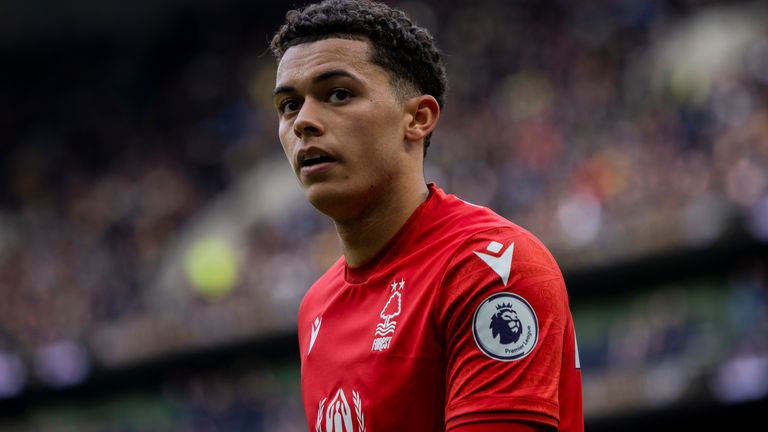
463	318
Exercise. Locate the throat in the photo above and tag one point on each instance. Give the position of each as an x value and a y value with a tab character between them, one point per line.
361	242
363	238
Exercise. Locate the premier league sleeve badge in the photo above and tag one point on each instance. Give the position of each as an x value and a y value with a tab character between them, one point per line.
505	327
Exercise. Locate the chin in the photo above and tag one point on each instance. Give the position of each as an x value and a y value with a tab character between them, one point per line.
339	202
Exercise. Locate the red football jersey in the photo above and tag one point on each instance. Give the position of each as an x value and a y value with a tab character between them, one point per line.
462	318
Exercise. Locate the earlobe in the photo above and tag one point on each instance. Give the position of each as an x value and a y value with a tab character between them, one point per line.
424	112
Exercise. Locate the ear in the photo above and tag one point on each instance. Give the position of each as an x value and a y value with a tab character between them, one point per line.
424	111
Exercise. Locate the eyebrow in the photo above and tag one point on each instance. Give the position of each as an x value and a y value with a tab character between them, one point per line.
324	76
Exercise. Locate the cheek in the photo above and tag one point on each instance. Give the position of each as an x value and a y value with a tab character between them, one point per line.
286	135
383	140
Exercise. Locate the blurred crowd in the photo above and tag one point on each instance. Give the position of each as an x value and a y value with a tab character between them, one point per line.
690	341
686	342
236	396
596	125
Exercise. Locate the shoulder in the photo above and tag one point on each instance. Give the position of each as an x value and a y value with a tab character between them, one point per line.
491	254
468	215
484	239
524	251
502	258
481	239
460	221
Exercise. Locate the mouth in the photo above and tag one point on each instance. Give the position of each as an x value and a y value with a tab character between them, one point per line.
313	159
310	161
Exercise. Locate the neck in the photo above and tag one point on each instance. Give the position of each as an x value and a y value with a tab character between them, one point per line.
365	236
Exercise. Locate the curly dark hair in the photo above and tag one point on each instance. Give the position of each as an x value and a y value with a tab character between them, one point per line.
406	51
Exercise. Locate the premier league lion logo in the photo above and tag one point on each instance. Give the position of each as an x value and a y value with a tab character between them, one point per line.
506	324
505	327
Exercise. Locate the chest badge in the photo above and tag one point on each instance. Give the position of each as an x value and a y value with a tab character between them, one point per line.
385	329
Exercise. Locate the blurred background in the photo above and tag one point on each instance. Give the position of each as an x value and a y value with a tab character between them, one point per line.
154	245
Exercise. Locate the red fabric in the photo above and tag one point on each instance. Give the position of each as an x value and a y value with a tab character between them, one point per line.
502	427
412	341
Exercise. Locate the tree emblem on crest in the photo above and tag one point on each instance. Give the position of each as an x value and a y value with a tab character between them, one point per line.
391	309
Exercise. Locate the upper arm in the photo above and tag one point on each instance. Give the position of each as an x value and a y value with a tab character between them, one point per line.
503	310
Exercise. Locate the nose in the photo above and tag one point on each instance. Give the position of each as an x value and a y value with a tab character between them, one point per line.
307	122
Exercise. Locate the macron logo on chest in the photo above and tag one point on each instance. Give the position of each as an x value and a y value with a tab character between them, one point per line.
500	264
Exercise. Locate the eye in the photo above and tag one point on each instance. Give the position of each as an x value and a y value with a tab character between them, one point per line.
339	95
288	106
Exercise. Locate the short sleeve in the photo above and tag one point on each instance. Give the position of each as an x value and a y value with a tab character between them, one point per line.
503	309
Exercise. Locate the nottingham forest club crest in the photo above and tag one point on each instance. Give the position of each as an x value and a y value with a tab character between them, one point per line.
385	329
505	327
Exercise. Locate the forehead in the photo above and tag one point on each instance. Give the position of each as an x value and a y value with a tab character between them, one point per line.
306	60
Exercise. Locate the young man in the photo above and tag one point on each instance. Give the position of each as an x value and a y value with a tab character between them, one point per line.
441	315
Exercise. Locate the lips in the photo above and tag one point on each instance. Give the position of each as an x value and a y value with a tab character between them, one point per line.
314	163
313	156
315	160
